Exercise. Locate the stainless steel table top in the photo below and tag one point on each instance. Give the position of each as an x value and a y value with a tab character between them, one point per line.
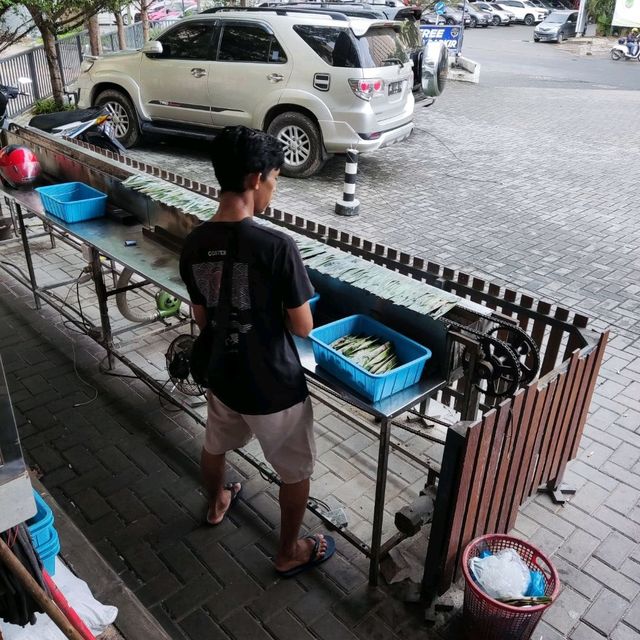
159	265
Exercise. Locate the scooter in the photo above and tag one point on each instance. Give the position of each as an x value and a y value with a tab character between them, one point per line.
89	125
620	51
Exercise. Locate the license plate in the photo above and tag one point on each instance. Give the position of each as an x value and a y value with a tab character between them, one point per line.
395	87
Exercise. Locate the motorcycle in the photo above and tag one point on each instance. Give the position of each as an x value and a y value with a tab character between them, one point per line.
620	51
89	125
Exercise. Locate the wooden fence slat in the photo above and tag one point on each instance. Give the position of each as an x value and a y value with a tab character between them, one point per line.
553	343
476	496
593	377
575	342
530	447
447	491
494	290
523	319
520	426
460	501
538	329
550	391
559	424
564	439
500	422
478	285
509	296
549	431
500	486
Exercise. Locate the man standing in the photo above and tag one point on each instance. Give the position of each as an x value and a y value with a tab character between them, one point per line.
249	292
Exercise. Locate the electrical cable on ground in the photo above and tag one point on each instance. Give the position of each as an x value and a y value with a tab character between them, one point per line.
73	346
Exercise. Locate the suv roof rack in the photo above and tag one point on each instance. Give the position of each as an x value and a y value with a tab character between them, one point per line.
335	15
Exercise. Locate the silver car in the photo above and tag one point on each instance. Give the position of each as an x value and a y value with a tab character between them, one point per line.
498	16
320	83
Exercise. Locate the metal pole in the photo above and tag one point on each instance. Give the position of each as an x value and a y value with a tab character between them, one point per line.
101	292
378	509
27	254
581	26
349	206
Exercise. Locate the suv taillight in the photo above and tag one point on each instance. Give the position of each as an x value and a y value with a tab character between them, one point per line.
368	88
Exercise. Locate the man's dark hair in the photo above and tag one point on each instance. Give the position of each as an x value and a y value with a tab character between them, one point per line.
237	152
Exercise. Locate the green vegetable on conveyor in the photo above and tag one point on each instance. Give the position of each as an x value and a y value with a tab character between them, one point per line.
369	352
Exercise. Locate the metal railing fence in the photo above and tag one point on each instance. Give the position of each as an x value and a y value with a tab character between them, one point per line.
33	63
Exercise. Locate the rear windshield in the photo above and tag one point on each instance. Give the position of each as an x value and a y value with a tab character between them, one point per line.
337	46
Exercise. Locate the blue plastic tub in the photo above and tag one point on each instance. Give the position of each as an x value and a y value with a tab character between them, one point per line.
374	387
73	201
313	302
41	525
49	552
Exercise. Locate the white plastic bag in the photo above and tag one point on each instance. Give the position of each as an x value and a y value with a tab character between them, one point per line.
95	615
503	575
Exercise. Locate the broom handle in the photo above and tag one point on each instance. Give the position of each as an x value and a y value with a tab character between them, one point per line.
36	592
66	608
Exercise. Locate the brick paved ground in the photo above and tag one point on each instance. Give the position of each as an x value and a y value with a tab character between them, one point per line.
524	184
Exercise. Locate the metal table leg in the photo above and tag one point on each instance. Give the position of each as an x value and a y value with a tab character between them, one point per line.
378	509
27	254
101	292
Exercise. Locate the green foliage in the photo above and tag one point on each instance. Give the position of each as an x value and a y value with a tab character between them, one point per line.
48	105
602	12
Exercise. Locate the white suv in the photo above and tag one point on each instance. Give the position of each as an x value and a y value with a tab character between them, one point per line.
524	11
320	82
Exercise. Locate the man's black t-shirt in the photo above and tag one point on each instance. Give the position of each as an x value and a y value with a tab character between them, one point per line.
246	275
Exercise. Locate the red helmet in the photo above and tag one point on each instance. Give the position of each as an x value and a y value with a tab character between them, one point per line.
19	166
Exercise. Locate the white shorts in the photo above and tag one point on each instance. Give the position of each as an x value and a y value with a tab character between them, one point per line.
286	437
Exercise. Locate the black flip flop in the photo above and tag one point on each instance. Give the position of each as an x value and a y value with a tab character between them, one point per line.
230	486
313	561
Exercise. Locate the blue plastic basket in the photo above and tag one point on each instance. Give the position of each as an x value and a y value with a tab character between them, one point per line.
374	387
73	201
313	302
41	525
48	553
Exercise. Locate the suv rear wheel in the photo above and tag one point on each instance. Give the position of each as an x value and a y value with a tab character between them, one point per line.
529	19
303	151
123	116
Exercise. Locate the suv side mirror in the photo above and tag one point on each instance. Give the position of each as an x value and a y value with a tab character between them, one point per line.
152	48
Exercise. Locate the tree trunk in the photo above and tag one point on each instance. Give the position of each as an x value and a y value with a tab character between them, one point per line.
122	41
94	35
144	18
51	53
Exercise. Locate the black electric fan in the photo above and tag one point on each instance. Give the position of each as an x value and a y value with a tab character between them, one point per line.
178	359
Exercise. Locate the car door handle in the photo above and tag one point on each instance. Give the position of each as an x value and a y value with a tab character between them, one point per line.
275	77
197	72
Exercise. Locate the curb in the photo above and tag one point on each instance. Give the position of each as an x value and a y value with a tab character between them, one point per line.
134	621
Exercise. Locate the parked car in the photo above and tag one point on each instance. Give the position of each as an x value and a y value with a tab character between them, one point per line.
169	11
512	16
320	83
498	16
108	18
477	17
450	16
409	33
556	27
524	12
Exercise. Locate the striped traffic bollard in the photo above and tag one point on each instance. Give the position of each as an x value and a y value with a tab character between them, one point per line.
349	206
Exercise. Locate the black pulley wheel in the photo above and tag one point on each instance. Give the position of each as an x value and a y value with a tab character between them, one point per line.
524	347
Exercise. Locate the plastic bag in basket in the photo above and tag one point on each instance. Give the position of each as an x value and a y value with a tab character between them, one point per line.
503	575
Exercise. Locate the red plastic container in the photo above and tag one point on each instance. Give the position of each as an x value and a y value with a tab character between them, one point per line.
489	619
